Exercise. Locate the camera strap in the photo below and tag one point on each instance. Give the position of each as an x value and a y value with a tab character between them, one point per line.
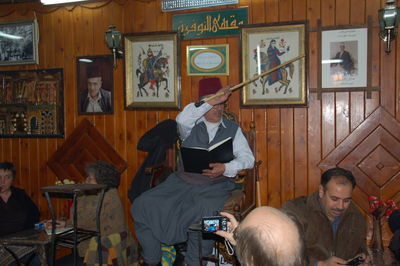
229	249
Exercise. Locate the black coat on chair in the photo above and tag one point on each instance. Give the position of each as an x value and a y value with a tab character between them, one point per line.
156	142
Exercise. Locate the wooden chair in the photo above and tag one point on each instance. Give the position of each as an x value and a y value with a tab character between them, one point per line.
243	198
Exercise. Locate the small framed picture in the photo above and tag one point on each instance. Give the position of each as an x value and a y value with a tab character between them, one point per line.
344	58
152	70
274	46
19	43
207	60
95	84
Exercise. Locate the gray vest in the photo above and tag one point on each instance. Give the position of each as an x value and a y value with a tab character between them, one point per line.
199	138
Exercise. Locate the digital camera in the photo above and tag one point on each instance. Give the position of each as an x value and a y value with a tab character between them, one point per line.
214	223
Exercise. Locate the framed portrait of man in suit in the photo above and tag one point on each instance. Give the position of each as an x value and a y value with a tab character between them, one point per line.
95	84
344	55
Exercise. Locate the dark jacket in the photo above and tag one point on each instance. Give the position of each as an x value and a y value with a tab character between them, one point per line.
156	141
105	101
350	238
19	213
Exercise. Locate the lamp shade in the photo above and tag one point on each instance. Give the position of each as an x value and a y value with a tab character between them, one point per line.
113	38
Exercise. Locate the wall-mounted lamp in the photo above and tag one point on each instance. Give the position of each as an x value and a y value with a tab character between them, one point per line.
388	20
113	40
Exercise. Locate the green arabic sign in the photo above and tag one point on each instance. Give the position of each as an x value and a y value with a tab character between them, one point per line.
209	24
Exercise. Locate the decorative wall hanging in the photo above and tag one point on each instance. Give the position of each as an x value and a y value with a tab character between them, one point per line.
210	23
31	103
210	60
152	70
344	58
265	46
19	43
95	81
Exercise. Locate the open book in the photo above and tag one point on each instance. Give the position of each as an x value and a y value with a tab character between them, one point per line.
196	159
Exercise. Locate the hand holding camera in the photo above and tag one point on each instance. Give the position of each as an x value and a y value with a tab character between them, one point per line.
231	225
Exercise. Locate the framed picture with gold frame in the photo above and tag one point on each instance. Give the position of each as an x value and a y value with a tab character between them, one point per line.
152	78
210	60
266	46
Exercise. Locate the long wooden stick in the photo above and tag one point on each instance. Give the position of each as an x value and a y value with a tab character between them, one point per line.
252	79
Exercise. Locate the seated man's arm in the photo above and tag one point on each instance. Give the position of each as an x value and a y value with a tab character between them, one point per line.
244	158
186	119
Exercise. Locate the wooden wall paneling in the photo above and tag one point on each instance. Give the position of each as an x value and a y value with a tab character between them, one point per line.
258	12
357	106
328	122
388	79
287	154
300	152
234	72
396	48
299	9
274	157
314	110
285	10
300	125
271	10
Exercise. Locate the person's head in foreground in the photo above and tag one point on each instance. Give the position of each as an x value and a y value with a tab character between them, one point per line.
266	237
102	173
335	191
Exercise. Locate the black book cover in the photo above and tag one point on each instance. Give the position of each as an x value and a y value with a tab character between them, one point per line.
196	159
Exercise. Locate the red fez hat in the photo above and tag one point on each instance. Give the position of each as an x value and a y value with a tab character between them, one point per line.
93	72
209	86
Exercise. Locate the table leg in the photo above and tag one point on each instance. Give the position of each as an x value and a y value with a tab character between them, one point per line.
41	251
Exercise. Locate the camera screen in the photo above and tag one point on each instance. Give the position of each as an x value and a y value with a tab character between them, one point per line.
211	225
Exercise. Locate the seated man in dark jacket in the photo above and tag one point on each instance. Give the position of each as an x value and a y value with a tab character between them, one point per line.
18	212
333	227
394	224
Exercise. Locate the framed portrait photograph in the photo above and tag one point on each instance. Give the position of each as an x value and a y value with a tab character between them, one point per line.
32	103
19	43
95	84
266	47
344	58
207	60
152	78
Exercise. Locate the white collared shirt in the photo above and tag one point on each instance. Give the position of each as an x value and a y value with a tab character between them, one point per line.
192	115
94	104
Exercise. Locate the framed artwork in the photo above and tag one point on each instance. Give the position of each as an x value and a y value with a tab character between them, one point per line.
152	79
19	43
267	46
32	103
344	58
207	60
95	84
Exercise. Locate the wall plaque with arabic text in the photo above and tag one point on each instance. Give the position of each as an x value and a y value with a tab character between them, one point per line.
209	24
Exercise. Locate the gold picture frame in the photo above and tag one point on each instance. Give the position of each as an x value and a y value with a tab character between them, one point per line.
265	46
152	77
210	60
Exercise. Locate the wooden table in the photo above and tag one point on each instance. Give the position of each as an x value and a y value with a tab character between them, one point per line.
36	239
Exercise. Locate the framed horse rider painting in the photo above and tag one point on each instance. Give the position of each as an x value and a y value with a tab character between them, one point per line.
152	70
274	64
95	84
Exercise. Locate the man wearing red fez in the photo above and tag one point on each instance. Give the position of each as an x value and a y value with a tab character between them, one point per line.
164	213
94	99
